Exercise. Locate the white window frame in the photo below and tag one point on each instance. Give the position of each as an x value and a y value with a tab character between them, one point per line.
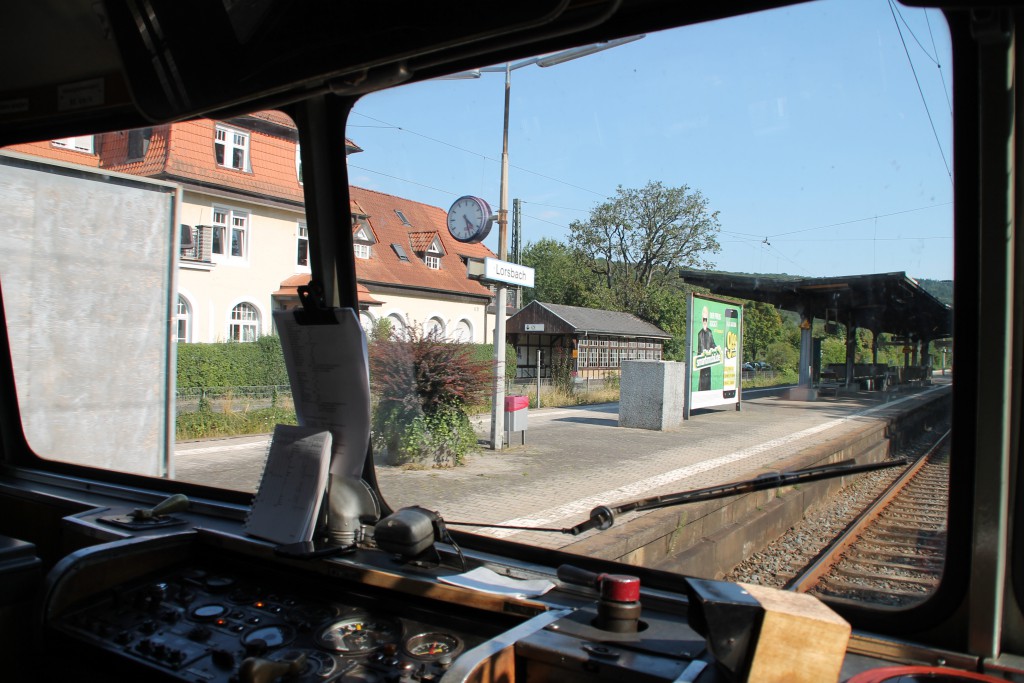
82	143
363	251
302	246
244	325
433	262
182	319
233	225
232	140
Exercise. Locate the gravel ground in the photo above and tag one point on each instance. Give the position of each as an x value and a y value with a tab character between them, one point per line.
776	564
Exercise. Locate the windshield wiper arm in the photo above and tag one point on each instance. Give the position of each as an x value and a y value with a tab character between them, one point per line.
603	516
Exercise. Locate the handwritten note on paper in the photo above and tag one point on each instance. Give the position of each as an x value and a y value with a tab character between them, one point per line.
329	373
287	504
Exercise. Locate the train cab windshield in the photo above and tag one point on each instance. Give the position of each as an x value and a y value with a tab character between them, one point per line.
676	301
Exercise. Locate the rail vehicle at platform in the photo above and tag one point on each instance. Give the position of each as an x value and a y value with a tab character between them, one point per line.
177	173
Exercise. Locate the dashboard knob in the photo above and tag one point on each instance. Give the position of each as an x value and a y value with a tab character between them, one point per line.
258	670
223	659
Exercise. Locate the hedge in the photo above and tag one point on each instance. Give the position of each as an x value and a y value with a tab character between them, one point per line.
260	363
231	364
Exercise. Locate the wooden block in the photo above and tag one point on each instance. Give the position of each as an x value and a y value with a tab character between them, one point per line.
801	639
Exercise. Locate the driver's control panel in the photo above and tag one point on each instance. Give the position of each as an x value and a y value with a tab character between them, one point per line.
206	624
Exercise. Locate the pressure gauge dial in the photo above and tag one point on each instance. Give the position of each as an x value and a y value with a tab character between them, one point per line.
470	219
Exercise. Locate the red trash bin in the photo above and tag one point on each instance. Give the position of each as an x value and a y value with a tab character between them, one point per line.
513	403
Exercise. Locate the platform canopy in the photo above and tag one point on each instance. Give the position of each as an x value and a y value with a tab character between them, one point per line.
885	302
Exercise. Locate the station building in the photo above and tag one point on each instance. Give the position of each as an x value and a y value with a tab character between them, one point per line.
244	242
594	341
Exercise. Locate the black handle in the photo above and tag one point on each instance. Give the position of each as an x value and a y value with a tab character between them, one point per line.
567	573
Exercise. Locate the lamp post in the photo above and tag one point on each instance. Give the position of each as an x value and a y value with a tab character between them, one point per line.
498	411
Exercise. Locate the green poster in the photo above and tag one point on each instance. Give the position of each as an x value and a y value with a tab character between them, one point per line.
714	335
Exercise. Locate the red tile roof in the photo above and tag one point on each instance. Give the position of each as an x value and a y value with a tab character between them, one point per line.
290	289
384	267
421	241
48	150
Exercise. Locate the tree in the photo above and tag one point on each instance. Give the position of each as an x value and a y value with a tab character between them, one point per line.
762	326
562	276
639	237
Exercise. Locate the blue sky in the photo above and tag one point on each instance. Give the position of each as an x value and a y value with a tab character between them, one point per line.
803	127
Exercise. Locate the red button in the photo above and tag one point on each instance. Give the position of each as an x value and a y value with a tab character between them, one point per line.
620	587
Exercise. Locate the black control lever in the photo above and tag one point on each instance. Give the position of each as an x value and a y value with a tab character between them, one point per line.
177	503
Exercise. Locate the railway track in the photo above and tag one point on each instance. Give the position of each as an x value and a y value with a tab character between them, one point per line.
892	553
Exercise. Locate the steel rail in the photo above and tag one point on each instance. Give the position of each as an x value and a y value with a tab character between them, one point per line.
831	555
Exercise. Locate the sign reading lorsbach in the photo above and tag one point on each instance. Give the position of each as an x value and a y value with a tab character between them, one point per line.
713	339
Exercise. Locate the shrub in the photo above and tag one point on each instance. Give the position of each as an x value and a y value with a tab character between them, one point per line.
423	386
561	371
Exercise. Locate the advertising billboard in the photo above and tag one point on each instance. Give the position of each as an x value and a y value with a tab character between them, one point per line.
713	337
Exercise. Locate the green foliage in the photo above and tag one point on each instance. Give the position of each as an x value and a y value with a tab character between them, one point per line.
666	308
484	353
443	438
562	275
205	423
833	350
640	237
783	356
381	329
231	364
423	386
762	326
771	379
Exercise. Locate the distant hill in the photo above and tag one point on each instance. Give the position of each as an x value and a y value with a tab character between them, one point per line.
940	289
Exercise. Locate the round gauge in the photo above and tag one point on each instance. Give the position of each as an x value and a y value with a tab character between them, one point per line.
432	646
469	219
272	636
358	634
209	612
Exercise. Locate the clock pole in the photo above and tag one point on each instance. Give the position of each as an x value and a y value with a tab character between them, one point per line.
498	411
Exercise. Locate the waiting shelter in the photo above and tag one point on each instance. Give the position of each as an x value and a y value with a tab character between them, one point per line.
594	341
890	303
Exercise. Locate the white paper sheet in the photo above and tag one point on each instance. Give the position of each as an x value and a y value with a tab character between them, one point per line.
330	378
488	581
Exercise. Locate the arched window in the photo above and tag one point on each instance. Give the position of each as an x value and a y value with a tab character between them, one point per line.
245	323
183	322
398	327
463	331
434	328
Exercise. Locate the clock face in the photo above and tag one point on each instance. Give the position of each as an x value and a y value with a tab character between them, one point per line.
469	219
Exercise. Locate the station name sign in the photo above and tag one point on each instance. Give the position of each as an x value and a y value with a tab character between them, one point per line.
512	273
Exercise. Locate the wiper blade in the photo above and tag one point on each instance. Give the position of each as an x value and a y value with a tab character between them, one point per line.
603	516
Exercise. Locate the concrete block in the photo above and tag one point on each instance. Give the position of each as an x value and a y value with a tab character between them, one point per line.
652	394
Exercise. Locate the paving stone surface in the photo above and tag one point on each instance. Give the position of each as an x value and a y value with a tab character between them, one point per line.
577	458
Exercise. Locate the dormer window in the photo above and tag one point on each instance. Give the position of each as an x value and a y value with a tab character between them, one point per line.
428	247
231	148
362	238
82	143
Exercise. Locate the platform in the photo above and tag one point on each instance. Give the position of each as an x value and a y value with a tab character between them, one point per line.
578	458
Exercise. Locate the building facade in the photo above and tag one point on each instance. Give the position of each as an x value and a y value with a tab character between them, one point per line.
244	241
